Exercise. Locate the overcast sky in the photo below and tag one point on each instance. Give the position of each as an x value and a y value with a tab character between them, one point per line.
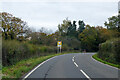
49	14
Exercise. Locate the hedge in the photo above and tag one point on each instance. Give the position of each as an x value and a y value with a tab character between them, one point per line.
110	51
14	51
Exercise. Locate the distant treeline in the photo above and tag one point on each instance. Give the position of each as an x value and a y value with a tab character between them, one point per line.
21	42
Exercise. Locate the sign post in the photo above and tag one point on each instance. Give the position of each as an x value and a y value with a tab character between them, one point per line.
59	45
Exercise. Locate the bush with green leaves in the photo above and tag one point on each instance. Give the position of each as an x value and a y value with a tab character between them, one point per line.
14	51
109	51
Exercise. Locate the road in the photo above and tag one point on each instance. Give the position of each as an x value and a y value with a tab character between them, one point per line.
78	66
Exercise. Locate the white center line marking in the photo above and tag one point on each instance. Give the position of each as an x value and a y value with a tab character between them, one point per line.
81	69
75	64
73	57
73	60
85	75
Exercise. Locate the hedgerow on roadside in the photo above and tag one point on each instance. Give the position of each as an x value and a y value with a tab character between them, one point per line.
14	51
109	51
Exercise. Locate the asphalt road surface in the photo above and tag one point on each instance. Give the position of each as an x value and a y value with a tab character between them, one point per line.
75	66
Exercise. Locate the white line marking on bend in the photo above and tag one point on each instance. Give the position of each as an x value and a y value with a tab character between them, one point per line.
81	70
75	64
73	57
36	68
85	74
73	60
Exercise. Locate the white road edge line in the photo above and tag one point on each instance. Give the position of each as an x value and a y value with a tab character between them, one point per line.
75	64
104	64
36	68
85	75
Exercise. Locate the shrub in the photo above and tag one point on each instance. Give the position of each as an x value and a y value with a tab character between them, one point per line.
14	51
109	51
116	48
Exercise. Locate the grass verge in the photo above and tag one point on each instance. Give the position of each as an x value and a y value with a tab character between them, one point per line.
105	62
24	66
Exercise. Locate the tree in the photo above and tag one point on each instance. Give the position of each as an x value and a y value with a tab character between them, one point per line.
106	34
12	27
72	29
112	23
45	30
81	26
113	26
62	28
119	20
89	39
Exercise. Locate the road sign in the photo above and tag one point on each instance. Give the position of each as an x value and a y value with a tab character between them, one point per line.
59	44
